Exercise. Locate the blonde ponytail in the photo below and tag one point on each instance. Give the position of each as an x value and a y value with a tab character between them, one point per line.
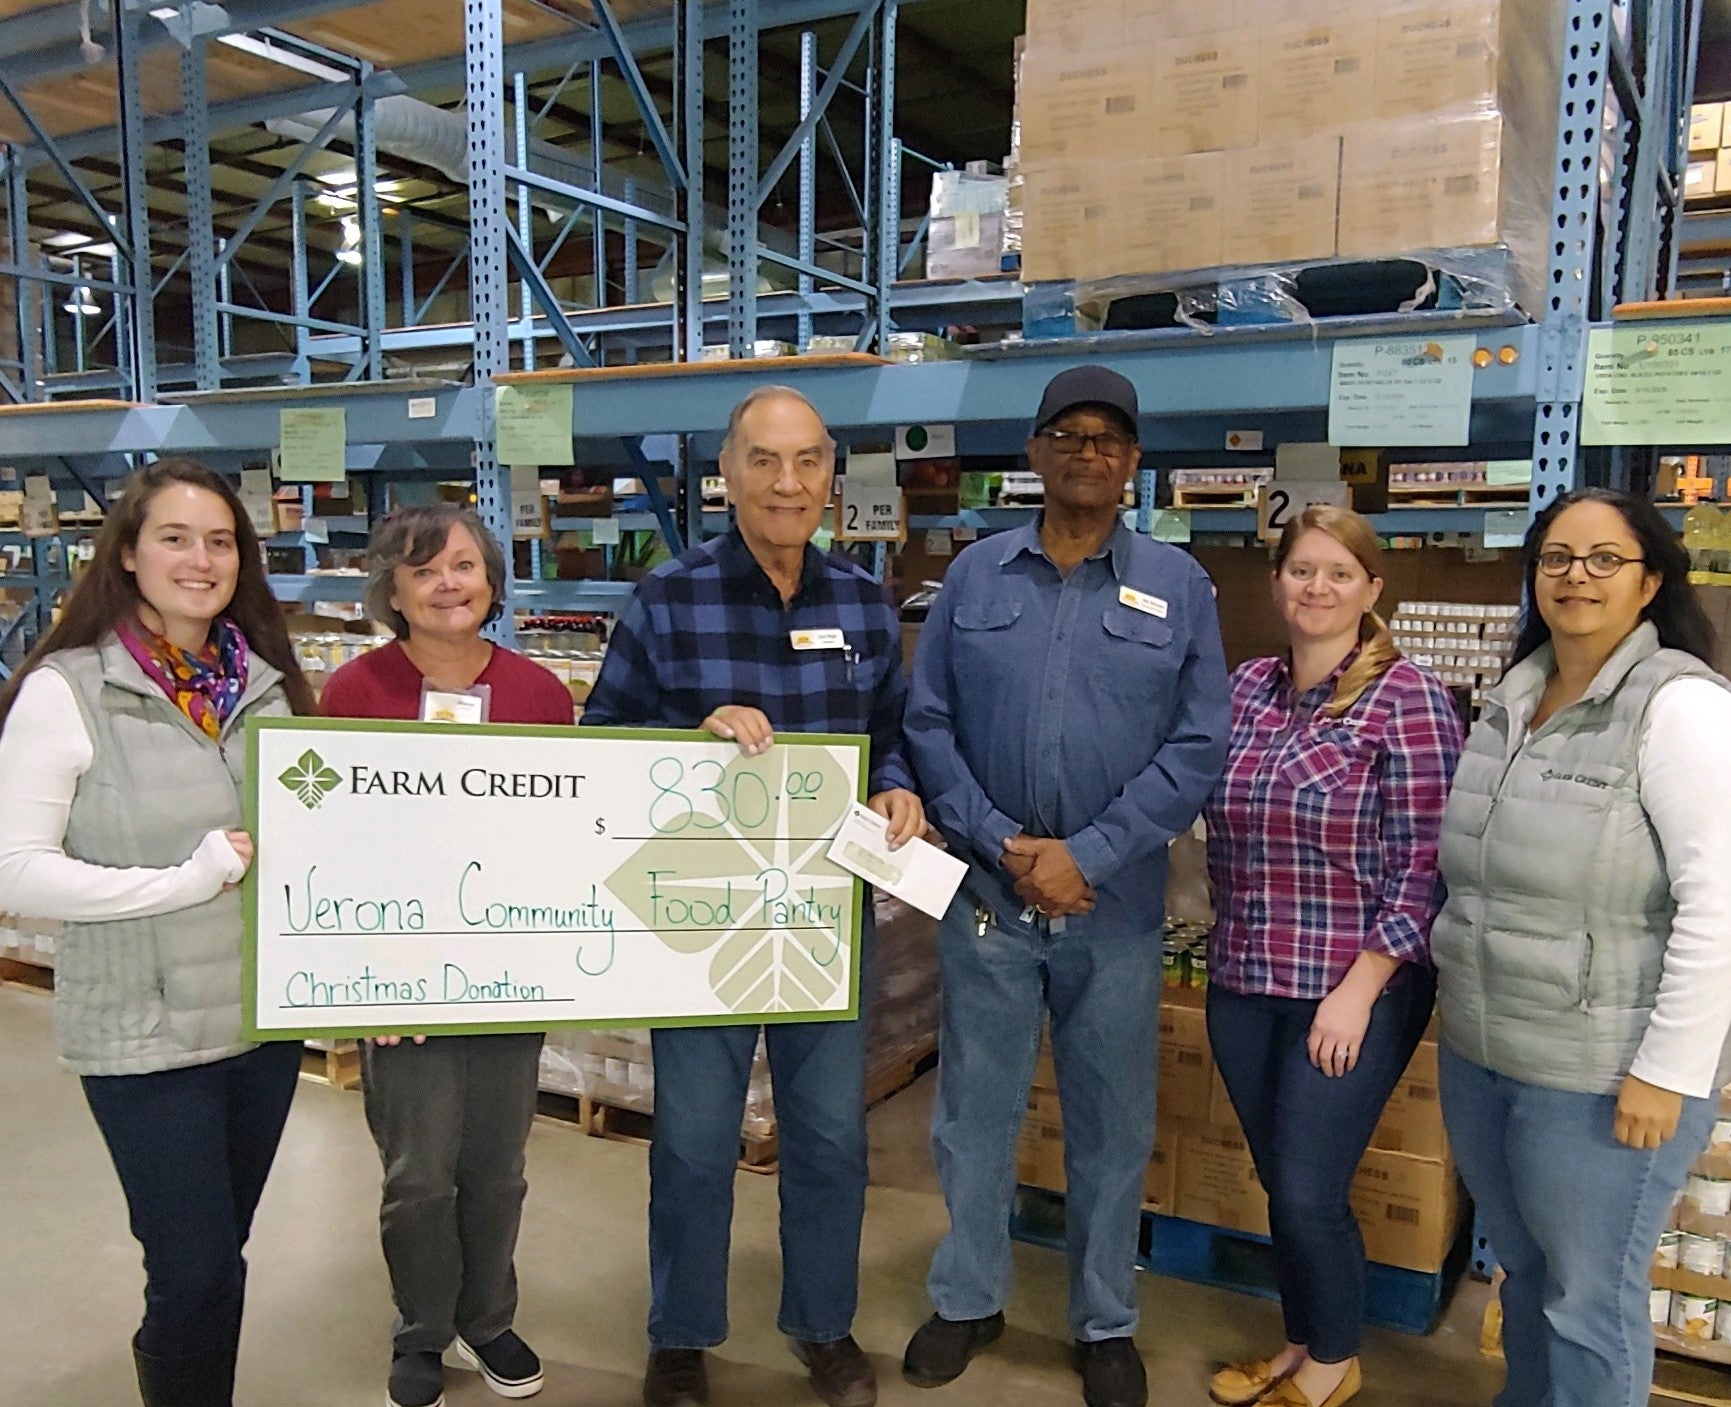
1376	657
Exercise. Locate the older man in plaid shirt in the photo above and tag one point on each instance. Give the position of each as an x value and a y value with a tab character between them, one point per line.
722	639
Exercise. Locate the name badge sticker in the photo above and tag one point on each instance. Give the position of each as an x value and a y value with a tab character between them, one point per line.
1141	601
471	705
817	640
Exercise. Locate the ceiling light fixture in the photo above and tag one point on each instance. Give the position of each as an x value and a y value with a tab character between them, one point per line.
82	303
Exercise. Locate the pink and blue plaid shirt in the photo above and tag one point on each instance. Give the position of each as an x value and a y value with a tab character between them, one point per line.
1322	836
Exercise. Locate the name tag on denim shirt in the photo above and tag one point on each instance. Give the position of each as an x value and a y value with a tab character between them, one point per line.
1141	601
817	640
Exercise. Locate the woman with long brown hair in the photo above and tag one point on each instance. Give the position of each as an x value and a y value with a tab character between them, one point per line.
122	757
1322	848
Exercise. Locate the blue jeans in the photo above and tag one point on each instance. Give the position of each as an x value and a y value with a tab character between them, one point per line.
701	1075
1573	1217
1104	995
1307	1132
193	1148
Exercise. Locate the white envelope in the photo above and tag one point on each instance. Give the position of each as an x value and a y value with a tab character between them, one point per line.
919	873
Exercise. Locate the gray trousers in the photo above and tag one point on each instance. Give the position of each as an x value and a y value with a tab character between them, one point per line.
451	1119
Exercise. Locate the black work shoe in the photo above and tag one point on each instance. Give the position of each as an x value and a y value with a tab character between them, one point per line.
507	1364
184	1382
940	1348
676	1377
417	1380
841	1374
1112	1373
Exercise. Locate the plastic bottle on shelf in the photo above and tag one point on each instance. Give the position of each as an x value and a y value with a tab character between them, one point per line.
1720	541
1701	536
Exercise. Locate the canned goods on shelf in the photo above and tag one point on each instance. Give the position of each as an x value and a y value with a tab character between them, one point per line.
1694	1316
1705	1255
1659	1307
1669	1244
1711	1194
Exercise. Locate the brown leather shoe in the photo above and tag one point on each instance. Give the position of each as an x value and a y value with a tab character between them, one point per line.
1288	1394
841	1374
676	1377
1239	1384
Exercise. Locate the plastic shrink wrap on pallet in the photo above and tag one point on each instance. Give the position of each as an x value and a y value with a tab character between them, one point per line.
965	231
1250	160
618	1068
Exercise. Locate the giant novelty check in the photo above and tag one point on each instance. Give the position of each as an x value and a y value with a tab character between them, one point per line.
424	877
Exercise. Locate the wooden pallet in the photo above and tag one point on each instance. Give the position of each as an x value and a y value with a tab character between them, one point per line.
758	1152
1468	496
29	976
1691	1381
340	1067
1202	496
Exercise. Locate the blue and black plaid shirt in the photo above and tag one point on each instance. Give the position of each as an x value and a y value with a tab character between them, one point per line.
710	629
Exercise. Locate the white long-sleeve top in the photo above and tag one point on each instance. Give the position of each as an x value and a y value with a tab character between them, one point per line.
1685	780
44	750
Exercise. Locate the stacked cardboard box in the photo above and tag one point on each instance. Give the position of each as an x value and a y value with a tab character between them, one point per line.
1156	136
1709	170
617	1067
1406	1194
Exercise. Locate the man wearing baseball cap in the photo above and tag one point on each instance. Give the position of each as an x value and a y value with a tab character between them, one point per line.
1068	718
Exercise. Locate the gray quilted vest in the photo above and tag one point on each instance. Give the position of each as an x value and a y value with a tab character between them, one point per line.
136	995
1550	947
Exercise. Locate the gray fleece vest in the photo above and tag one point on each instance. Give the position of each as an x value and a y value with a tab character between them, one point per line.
136	995
1551	945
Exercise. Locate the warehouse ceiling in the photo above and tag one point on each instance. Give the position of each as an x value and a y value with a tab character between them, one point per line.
954	102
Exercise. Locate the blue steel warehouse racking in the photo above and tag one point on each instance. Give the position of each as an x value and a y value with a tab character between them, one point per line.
1627	72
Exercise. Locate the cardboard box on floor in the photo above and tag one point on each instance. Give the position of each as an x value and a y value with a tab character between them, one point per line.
1405	1193
1040	1155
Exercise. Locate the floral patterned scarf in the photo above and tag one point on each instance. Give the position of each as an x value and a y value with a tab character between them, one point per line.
206	687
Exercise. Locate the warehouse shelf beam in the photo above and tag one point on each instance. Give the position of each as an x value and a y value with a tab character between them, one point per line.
200	223
489	231
619	46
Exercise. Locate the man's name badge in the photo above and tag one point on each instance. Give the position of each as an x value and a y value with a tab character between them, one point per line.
1141	601
817	639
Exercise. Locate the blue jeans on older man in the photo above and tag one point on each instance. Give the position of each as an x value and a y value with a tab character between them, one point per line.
1103	992
1573	1216
701	1076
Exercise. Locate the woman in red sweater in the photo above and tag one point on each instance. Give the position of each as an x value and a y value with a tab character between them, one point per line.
451	1115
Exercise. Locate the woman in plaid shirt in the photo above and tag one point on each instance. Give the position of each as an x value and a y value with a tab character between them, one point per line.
1322	849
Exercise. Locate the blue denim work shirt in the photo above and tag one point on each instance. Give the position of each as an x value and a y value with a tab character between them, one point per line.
1092	708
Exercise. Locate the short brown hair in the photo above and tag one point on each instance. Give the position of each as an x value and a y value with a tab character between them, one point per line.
411	537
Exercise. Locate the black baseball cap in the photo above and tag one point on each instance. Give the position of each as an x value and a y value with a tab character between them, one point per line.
1087	385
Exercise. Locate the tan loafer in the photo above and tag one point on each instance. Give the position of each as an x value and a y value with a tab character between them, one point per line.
1239	1384
1288	1394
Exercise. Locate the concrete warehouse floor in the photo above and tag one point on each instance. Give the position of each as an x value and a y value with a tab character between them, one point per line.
319	1312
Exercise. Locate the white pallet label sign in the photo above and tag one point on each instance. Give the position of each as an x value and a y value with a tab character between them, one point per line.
1278	503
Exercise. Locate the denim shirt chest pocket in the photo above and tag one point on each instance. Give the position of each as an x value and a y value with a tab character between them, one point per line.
1138	655
982	638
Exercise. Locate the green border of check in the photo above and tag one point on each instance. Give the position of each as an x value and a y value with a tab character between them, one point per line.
249	886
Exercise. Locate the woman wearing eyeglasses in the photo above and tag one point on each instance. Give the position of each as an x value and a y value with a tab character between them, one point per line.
1584	951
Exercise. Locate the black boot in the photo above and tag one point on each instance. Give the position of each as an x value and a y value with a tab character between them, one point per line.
184	1382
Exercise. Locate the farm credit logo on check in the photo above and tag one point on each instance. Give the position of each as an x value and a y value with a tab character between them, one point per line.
311	780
